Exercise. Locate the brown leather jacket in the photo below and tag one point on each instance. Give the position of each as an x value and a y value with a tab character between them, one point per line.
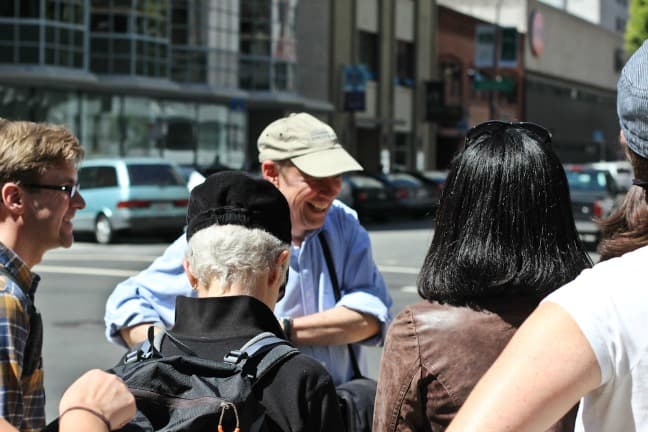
434	355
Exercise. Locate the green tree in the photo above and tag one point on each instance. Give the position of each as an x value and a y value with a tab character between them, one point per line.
637	28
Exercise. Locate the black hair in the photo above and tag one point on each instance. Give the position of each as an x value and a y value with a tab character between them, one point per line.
504	225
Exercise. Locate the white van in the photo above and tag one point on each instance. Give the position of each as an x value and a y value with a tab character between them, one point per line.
621	172
131	194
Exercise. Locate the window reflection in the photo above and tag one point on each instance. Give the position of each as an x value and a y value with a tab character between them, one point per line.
129	40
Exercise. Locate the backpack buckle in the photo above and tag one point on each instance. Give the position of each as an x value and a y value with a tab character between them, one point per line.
143	352
133	356
235	356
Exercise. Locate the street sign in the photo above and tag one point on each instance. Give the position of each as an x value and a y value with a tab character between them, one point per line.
504	85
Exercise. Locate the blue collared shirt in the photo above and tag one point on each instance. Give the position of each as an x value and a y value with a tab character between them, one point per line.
150	295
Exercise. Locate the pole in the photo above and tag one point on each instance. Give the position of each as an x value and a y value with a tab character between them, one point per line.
492	104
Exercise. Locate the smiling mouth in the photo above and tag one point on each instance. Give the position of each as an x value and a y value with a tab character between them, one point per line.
318	208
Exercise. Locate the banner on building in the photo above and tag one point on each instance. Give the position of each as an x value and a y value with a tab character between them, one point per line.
354	86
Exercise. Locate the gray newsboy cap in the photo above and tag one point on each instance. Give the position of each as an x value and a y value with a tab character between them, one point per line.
632	101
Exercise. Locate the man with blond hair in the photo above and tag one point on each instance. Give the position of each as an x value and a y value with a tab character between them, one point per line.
39	196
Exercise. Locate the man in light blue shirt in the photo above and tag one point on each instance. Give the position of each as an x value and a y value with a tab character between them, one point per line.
301	156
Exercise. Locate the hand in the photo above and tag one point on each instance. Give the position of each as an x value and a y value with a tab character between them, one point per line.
101	392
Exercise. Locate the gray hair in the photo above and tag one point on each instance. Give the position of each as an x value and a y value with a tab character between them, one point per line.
234	253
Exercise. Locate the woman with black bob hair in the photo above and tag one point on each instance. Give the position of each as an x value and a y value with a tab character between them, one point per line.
504	238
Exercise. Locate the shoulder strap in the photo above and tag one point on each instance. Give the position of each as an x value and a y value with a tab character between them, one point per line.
336	291
271	350
274	357
329	264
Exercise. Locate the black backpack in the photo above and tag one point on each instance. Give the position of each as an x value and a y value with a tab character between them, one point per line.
189	393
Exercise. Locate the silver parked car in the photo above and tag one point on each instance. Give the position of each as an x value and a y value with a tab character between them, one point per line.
134	195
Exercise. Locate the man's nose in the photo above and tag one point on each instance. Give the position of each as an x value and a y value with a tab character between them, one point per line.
78	201
328	185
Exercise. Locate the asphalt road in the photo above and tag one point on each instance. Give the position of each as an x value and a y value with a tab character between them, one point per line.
77	281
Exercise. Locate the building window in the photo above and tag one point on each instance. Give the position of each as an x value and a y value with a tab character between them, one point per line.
22	24
268	45
620	24
368	53
130	37
205	42
451	74
405	62
402	146
65	33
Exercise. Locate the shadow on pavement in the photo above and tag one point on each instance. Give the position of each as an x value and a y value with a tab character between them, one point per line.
129	238
402	223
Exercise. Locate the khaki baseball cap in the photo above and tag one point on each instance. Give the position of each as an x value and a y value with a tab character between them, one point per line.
310	144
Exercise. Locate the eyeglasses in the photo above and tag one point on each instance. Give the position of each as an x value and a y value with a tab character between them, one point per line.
493	126
71	190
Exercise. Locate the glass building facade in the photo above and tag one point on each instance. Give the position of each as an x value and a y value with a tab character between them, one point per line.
166	78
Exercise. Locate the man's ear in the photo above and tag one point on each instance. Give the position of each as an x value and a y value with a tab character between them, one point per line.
279	262
193	280
12	197
270	171
283	257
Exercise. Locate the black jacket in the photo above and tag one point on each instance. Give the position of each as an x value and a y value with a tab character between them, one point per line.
298	395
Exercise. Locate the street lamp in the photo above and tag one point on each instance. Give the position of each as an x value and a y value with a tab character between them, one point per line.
492	108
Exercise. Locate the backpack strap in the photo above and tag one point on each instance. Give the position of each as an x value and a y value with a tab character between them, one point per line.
277	355
267	347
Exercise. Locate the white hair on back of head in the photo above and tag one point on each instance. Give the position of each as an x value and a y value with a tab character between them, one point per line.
234	253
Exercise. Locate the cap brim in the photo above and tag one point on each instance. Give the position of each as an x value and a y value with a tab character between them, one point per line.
326	163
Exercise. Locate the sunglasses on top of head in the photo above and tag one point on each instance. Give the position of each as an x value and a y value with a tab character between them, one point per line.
494	126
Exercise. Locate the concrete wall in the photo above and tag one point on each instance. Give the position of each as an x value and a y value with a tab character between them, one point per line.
369	135
511	13
426	70
574	49
577	115
313	48
611	11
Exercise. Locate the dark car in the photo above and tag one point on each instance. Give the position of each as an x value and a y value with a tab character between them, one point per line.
594	194
414	196
368	195
433	180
